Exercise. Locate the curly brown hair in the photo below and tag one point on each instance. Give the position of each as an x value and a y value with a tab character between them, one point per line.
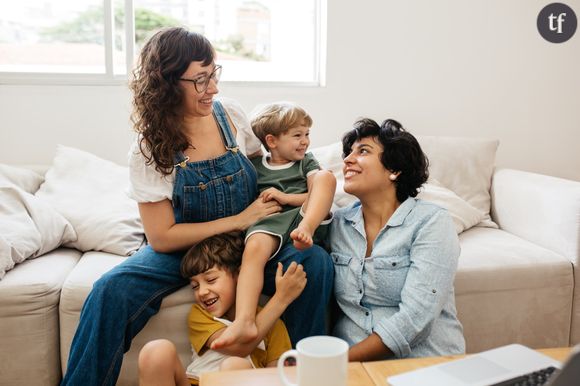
157	98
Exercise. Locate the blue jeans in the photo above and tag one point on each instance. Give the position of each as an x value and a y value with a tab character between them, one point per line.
306	316
123	300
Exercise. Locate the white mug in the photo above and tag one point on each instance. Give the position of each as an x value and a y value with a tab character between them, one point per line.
320	360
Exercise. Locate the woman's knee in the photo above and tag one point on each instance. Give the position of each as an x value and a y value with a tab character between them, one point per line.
317	260
157	355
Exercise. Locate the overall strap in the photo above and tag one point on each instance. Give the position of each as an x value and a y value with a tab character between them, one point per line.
180	159
222	119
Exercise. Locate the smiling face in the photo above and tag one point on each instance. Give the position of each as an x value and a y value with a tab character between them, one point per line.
198	104
363	170
289	146
215	291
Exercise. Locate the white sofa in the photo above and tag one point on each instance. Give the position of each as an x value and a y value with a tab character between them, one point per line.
515	282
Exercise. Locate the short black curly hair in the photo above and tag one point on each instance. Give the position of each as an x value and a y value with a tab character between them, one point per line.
401	153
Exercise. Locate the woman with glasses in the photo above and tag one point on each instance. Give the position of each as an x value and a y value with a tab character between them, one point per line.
191	178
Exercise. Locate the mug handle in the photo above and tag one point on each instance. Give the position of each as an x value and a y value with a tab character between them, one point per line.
281	374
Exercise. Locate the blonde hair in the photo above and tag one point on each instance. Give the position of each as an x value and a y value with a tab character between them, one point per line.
277	118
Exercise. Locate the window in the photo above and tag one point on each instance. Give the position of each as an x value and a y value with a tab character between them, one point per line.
84	41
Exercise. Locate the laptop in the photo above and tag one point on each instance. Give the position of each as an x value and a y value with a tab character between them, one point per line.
494	367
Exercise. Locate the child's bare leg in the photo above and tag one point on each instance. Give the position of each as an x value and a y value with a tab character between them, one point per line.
235	363
316	208
159	365
259	247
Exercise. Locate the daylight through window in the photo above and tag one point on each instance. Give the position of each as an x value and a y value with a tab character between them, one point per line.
255	40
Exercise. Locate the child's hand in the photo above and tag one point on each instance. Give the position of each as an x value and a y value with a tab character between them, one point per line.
290	284
274	194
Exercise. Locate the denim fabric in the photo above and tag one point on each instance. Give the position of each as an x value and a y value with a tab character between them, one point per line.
306	316
404	291
123	300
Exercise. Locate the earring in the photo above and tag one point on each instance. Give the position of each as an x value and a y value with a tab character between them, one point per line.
393	177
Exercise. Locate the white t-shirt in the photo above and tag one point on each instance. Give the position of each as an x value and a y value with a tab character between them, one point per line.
148	185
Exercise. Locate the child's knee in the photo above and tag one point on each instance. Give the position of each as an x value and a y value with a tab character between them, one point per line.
260	247
235	363
157	353
326	177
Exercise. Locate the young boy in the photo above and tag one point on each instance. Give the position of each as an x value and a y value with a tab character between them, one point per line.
293	178
212	266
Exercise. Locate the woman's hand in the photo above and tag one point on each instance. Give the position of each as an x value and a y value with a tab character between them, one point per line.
257	210
290	284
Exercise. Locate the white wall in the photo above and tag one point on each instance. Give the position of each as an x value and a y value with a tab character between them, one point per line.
455	67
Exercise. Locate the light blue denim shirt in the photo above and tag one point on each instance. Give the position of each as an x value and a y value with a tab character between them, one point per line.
404	291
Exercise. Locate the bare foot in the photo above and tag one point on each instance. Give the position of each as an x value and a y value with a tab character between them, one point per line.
238	332
302	237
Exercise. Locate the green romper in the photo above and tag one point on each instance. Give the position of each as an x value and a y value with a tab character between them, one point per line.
290	178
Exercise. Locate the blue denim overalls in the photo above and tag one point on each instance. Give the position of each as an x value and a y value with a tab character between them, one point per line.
124	299
216	188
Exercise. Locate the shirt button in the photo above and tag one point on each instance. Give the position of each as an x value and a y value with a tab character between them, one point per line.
360	291
434	291
229	178
367	313
362	262
394	264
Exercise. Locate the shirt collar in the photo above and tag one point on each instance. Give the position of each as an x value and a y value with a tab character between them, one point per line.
402	212
354	214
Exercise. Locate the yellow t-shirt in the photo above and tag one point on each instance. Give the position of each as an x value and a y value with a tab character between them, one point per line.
202	325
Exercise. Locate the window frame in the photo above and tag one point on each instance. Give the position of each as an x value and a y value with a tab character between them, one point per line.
111	79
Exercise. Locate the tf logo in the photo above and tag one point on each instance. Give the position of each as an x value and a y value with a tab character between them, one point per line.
557	22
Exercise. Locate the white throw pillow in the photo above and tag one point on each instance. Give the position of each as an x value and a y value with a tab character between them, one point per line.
29	226
464	166
26	179
464	215
90	193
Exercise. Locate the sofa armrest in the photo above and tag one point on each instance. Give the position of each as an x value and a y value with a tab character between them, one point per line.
542	209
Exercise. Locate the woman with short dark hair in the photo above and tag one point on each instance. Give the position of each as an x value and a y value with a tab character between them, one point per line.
394	256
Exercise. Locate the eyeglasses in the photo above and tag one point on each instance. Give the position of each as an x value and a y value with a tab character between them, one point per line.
202	83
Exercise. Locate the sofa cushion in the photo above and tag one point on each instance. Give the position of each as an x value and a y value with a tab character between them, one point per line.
90	193
505	283
170	323
29	322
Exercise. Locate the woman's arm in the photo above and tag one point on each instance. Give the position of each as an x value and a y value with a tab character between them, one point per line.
288	287
165	236
370	349
428	285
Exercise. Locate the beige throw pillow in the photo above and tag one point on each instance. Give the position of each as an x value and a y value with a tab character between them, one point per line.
464	166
